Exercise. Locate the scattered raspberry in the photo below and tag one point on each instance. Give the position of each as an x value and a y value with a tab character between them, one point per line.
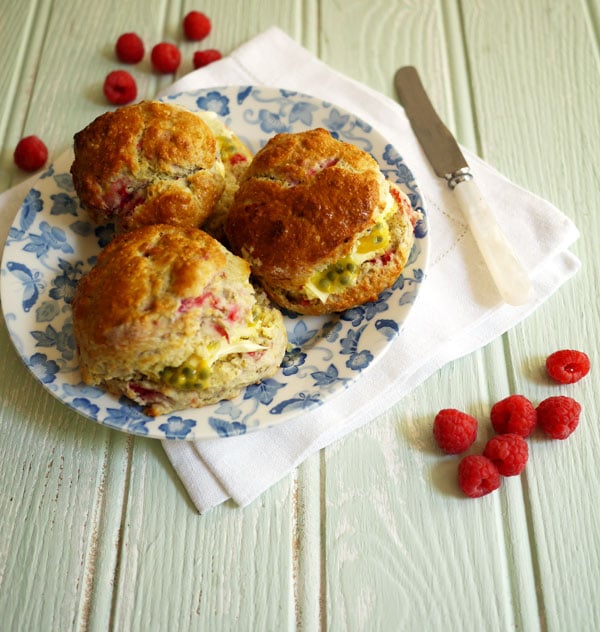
567	366
129	48
558	416
205	57
514	414
508	452
165	57
120	87
454	430
477	476
196	25
30	153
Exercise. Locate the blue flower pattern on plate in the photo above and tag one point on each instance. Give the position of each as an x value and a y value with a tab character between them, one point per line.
52	243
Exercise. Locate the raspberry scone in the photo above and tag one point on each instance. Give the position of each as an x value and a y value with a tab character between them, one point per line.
321	227
147	163
168	317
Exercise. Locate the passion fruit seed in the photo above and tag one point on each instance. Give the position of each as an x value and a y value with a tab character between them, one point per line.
191	374
337	276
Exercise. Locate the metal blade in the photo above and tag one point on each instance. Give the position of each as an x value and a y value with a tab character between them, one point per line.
439	145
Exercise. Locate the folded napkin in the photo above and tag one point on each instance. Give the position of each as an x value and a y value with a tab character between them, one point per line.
457	310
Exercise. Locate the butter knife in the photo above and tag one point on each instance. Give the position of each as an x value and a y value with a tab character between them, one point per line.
448	162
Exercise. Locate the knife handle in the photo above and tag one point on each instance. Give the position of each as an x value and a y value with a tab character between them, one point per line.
506	270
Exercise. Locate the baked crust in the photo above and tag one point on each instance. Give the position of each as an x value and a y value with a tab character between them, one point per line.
304	201
150	162
161	295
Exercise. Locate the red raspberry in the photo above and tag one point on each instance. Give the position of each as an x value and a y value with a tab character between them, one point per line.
119	87
477	476
165	57
514	414
196	25
30	153
205	57
129	48
454	431
508	452
567	366
558	416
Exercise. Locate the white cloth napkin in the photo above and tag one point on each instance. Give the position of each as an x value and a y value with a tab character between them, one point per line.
456	312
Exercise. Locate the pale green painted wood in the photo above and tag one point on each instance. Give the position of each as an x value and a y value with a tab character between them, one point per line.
371	534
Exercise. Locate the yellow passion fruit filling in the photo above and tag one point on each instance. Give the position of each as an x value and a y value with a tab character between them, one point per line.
342	274
195	371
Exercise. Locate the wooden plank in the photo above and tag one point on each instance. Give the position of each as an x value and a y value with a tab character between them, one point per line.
60	482
534	125
398	535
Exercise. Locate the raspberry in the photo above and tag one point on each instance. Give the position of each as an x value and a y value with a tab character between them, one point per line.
567	366
477	476
165	57
558	416
119	87
454	431
515	414
129	48
508	452
30	153
205	57
196	25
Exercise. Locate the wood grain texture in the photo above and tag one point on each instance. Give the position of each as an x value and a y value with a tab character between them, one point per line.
96	532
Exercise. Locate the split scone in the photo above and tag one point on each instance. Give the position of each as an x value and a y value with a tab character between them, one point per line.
167	317
321	227
148	163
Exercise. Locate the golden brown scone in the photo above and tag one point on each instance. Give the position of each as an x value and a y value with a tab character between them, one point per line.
236	157
319	224
168	317
147	163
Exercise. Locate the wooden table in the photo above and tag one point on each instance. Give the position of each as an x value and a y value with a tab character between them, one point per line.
97	533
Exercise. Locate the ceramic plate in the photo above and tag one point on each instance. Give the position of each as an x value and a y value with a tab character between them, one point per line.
51	244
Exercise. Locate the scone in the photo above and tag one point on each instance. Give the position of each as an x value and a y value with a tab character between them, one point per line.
148	163
167	317
321	227
236	157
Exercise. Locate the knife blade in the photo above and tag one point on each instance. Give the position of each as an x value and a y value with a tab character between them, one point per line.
448	162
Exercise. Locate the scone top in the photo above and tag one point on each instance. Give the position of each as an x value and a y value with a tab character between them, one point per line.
151	162
303	201
142	305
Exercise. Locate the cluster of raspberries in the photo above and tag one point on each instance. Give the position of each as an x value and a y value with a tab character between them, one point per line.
513	419
120	87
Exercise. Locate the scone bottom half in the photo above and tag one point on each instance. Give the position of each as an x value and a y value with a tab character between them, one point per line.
155	162
168	318
321	227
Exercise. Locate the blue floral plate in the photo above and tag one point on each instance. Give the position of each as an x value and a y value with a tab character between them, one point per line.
51	244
